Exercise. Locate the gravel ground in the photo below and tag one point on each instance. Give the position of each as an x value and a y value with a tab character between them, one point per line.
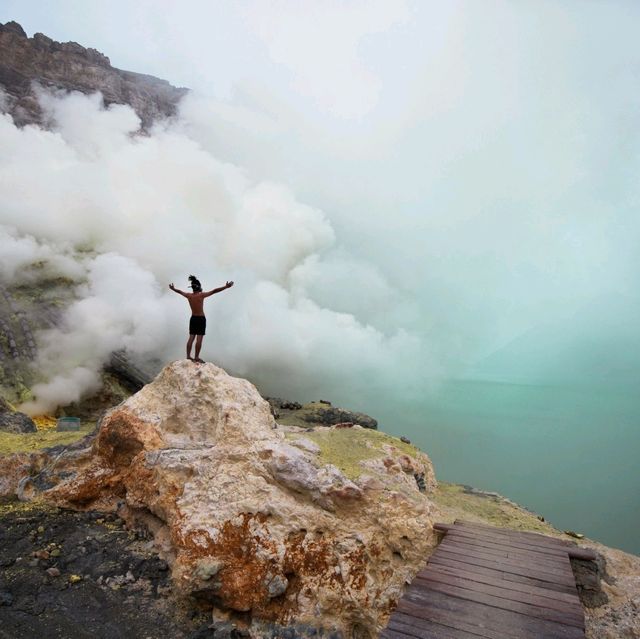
80	575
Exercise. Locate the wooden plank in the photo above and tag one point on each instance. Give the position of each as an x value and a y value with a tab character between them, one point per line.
469	537
509	566
532	533
586	554
500	574
500	550
505	536
533	538
389	633
459	614
529	610
511	624
561	568
430	629
543	547
448	620
511	541
504	592
493	581
559	565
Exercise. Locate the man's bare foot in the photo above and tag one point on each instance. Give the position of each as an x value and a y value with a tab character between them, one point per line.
189	358
198	360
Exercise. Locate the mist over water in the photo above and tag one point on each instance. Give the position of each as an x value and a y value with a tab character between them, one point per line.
446	193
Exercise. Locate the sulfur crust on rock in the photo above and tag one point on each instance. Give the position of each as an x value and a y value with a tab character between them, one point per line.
26	442
347	448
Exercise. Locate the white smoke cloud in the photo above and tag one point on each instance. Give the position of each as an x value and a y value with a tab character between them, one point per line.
450	184
126	214
19	252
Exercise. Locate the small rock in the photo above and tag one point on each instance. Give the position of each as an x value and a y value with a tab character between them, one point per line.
307	444
53	572
74	579
572	533
40	529
41	554
277	586
33	563
6	598
406	440
16	423
55	552
208	568
420	481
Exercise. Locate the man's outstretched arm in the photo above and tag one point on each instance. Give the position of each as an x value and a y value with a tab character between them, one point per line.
217	290
177	290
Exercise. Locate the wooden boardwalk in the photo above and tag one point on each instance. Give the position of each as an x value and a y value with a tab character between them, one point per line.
495	583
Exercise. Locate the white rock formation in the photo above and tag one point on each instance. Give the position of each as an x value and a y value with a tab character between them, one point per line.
255	516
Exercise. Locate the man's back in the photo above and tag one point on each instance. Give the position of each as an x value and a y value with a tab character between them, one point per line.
196	302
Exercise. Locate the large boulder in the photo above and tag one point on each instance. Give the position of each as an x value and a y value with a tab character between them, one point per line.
272	525
12	421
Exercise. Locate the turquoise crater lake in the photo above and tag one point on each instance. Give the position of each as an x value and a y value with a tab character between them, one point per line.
569	453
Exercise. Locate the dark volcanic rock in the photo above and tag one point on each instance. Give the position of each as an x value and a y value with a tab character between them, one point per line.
327	415
84	575
320	413
14	422
71	67
105	584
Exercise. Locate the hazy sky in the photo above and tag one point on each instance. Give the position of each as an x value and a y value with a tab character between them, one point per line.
477	159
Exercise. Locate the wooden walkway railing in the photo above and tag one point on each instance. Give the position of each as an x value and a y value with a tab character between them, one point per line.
494	583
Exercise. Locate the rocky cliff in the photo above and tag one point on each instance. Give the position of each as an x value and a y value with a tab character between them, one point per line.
71	67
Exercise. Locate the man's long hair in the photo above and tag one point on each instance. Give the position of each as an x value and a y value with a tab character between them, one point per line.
195	284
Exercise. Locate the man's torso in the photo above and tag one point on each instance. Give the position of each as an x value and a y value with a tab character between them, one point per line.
196	302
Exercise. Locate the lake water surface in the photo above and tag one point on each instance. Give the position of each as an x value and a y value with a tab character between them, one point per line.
570	454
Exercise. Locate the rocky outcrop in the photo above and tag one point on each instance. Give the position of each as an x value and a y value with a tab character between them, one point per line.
269	524
320	413
13	421
72	67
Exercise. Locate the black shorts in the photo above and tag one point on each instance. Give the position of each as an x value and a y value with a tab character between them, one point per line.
197	325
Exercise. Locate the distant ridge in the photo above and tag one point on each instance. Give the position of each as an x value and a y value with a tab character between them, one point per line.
71	67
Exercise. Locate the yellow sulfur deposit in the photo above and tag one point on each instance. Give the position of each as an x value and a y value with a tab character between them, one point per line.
27	442
44	422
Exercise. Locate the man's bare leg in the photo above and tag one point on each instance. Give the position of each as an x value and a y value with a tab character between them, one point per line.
198	347
189	345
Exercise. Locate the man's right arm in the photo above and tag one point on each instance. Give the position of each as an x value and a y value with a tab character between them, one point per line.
177	290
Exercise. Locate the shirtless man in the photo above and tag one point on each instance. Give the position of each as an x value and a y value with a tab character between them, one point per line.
198	322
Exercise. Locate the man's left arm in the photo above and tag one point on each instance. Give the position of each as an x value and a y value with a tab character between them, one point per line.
218	290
